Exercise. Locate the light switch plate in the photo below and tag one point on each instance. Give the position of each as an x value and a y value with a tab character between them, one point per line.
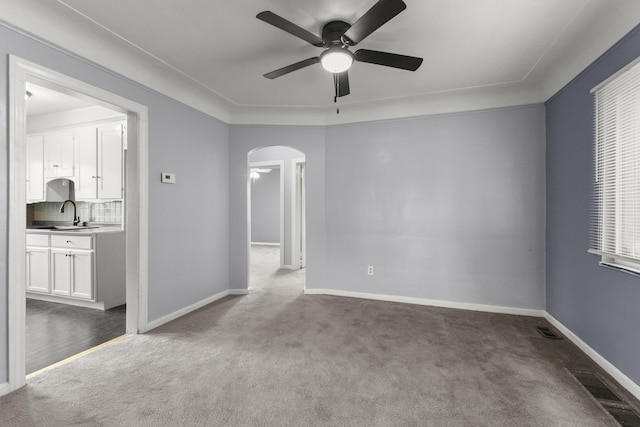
168	178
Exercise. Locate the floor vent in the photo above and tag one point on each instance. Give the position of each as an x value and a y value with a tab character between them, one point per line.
548	333
619	409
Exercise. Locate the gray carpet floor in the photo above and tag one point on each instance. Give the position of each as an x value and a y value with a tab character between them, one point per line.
277	357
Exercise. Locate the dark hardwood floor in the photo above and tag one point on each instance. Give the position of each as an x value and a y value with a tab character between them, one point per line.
57	331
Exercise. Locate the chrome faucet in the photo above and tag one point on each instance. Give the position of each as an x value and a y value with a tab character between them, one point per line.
76	220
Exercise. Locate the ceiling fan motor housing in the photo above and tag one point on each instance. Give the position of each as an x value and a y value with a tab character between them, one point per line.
333	31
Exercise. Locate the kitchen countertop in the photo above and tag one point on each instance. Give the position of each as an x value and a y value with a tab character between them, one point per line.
96	230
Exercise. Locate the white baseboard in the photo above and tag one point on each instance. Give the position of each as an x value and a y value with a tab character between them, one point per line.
617	375
4	389
179	313
430	302
265	244
238	291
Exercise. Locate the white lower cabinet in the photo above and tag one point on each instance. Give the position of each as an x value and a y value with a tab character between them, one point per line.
37	263
77	269
60	272
72	273
38	269
72	266
82	275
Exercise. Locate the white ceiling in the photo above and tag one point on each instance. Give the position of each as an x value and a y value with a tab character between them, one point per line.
46	101
211	55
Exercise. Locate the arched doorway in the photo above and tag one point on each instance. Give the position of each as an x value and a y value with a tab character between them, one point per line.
276	208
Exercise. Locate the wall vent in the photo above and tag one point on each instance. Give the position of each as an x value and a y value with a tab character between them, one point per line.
548	333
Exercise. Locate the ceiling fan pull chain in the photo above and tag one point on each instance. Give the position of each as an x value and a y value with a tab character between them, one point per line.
336	84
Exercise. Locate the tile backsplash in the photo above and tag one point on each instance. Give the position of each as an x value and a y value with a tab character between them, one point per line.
105	213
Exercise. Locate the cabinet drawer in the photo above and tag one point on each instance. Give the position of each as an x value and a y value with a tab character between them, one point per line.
37	240
72	242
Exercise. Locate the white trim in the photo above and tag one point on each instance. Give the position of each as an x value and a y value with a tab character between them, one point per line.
295	214
265	244
617	262
4	389
238	291
430	302
21	72
17	227
137	219
617	375
186	310
276	164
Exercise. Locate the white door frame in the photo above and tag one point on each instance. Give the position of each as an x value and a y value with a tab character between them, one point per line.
136	195
275	164
298	215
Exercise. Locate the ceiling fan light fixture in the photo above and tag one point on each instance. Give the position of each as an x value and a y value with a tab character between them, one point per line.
336	60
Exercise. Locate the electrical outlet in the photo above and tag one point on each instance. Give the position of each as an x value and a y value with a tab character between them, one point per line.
168	178
370	270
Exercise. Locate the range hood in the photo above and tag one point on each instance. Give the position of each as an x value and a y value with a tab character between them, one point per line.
59	190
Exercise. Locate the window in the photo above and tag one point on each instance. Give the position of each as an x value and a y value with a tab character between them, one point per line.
615	223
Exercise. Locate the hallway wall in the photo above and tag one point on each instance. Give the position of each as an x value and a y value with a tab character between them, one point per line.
265	208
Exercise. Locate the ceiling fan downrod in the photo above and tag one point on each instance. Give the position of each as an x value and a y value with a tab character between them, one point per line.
336	83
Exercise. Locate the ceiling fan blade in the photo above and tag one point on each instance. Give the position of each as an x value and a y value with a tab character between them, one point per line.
289	27
293	67
343	84
374	18
394	60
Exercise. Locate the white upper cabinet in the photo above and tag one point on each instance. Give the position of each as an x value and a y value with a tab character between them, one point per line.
86	163
99	162
110	161
91	156
59	154
35	168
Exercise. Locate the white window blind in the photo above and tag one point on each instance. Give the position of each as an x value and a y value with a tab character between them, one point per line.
615	222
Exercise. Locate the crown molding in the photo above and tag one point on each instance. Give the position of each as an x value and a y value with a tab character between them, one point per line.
595	29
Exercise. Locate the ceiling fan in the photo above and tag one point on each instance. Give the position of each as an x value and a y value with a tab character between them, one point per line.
336	38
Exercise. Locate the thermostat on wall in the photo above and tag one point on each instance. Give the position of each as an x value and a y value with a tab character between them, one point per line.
168	178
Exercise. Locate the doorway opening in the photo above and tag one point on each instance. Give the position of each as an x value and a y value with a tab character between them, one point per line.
75	296
276	212
72	257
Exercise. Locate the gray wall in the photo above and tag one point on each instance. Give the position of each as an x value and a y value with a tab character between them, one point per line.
188	247
285	154
265	207
447	207
597	304
309	140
